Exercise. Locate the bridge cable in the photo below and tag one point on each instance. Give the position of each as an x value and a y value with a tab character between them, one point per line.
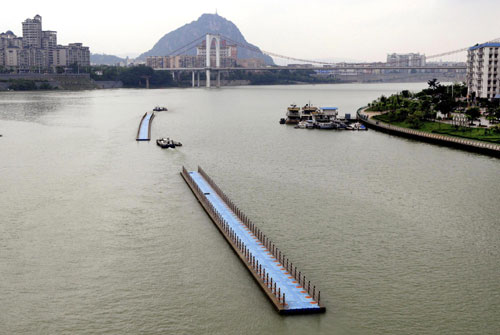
175	52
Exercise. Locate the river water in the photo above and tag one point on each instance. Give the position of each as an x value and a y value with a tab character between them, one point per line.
100	234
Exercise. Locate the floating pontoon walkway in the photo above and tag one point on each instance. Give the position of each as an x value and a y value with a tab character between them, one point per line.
285	286
144	131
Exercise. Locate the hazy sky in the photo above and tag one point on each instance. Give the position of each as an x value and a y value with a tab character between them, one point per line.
364	30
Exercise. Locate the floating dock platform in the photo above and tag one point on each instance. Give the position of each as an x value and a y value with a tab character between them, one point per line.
144	131
281	281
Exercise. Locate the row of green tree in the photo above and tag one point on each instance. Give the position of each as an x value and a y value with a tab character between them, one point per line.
415	108
136	76
268	77
28	85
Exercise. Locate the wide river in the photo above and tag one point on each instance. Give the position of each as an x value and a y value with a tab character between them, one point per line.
100	234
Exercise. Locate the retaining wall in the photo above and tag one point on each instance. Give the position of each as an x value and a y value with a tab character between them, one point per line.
450	141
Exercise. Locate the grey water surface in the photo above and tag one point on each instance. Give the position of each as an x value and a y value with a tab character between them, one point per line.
100	235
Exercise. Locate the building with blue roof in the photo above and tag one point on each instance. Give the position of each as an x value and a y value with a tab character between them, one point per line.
483	73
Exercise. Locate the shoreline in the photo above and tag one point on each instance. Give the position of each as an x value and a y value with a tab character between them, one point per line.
83	81
486	148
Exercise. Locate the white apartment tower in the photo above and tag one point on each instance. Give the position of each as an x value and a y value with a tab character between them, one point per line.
32	32
483	78
406	60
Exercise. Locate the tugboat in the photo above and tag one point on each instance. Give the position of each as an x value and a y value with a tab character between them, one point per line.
160	109
166	143
292	115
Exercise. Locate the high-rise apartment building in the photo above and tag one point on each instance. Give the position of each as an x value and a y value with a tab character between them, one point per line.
226	50
32	32
78	54
38	49
483	80
228	57
406	60
228	53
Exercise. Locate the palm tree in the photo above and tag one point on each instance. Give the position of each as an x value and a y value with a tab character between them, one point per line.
433	83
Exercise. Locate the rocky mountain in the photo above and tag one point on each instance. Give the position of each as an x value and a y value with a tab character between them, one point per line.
103	59
207	23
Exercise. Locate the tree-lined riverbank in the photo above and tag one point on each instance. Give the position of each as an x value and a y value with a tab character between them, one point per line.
441	109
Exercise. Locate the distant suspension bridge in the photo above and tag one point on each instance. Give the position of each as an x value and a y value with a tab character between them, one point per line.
320	65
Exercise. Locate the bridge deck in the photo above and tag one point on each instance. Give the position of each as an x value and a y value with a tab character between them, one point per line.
144	131
343	67
280	280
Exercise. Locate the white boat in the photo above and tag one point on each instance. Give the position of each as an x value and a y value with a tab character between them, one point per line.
301	125
358	126
326	125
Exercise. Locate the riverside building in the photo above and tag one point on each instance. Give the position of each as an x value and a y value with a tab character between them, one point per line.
228	53
483	79
406	60
228	58
37	50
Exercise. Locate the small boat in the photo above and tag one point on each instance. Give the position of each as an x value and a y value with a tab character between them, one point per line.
341	125
310	124
166	143
301	125
282	121
326	125
358	126
160	109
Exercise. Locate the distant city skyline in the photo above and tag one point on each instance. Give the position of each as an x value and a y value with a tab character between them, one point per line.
359	30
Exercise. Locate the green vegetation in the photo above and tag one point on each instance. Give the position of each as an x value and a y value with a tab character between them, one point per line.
481	134
5	70
136	76
267	77
419	111
28	85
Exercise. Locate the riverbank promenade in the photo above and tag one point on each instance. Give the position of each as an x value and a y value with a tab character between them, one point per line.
286	286
450	141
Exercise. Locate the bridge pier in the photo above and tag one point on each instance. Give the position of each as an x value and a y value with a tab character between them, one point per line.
208	79
209	39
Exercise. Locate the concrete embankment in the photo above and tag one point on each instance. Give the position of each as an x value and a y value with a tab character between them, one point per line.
106	84
450	141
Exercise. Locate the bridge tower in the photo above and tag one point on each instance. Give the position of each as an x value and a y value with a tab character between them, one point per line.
209	39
